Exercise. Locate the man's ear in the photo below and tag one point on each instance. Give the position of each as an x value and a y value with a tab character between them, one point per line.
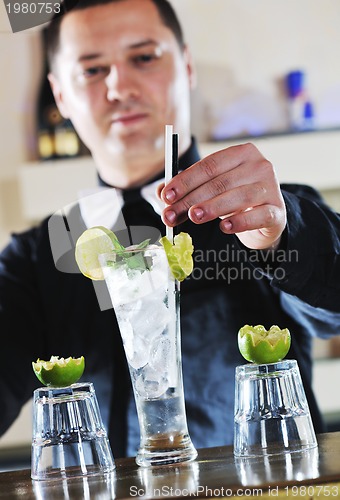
190	68
58	95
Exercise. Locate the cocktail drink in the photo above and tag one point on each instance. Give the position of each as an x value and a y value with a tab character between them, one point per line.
145	298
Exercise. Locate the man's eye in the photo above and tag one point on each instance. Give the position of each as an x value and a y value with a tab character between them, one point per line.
88	72
145	58
94	73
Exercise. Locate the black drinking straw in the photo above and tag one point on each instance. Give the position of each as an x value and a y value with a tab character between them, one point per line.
174	154
174	170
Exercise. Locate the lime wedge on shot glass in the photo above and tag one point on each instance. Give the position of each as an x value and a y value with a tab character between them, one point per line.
261	346
59	372
179	255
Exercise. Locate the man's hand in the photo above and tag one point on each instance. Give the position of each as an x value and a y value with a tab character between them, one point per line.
239	186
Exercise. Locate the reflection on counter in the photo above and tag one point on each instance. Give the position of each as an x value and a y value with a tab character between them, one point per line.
298	466
99	488
166	481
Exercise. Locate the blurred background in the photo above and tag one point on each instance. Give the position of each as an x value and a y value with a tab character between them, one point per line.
268	72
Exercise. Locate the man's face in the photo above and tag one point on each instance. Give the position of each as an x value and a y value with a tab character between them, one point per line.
120	76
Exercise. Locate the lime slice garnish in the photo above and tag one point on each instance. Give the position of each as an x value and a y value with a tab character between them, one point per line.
59	372
179	255
260	346
100	240
90	245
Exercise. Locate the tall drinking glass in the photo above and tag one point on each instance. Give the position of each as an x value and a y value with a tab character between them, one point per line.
146	303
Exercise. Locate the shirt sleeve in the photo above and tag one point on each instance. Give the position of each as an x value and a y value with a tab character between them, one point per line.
21	320
310	262
305	269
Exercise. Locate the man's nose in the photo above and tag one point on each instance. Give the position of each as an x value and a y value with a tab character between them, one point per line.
120	84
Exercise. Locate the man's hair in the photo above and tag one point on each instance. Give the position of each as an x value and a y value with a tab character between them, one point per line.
164	8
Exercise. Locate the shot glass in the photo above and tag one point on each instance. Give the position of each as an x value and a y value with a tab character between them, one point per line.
69	438
271	410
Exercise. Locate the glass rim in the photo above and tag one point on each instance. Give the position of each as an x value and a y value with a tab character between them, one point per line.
266	368
68	390
104	257
152	247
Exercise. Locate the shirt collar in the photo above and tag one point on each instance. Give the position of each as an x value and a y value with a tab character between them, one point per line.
102	206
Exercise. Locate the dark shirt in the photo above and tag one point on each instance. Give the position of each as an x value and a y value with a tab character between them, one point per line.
44	311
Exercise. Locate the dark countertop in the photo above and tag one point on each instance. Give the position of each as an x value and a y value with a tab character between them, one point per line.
216	472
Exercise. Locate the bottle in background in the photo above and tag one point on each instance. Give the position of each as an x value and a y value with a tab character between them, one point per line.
301	113
56	136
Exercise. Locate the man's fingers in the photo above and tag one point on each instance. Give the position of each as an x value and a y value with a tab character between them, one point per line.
237	185
263	217
159	190
236	200
217	186
204	171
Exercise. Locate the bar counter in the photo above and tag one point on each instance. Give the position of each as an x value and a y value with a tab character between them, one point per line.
215	473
